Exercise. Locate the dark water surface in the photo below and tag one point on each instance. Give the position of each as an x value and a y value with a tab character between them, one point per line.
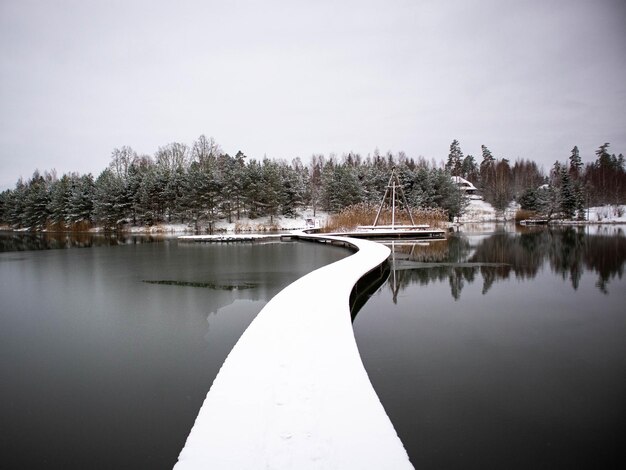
504	350
107	352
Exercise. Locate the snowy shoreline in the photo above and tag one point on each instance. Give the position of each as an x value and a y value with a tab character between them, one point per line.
293	392
478	211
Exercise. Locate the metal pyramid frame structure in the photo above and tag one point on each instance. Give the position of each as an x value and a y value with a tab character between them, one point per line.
393	188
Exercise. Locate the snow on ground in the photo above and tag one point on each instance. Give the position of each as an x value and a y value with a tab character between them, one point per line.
293	392
232	237
479	210
304	219
609	214
159	228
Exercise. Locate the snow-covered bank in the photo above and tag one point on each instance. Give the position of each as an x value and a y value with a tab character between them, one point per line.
478	211
609	214
293	392
304	219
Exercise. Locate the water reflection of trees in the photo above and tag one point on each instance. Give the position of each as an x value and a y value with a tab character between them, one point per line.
568	252
433	260
22	241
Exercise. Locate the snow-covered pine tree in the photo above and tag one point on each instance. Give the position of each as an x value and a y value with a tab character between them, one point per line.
487	172
567	194
253	188
575	164
270	197
37	200
455	159
5	201
239	175
60	192
17	205
469	169
80	205
109	199
315	181
293	188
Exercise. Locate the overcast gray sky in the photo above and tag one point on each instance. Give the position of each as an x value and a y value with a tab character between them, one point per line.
527	78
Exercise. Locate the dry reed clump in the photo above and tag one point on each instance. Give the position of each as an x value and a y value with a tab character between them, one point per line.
364	214
260	227
523	214
242	227
57	227
271	227
82	226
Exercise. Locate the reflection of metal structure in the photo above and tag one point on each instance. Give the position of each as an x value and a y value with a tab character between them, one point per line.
407	256
395	271
394	281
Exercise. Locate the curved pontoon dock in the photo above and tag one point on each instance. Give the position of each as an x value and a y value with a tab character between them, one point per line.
293	392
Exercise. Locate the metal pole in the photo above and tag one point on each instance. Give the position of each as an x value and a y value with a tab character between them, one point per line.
393	205
404	201
382	203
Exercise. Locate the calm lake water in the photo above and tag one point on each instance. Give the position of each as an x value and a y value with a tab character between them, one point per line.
504	349
492	349
108	345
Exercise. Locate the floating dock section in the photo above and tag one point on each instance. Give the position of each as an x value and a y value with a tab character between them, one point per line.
229	238
395	232
293	392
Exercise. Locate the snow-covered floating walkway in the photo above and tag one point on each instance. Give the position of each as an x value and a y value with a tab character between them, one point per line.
225	238
293	392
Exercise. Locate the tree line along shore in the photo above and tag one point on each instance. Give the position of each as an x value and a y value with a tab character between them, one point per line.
199	185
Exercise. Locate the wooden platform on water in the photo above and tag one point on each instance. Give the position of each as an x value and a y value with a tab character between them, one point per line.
379	232
231	238
405	232
534	222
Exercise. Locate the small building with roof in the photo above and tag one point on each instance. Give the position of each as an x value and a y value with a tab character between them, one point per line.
464	185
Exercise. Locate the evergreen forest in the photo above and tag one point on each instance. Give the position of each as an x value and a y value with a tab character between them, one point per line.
199	184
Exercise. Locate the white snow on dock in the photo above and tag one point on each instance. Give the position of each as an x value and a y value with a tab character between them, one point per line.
293	392
230	237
